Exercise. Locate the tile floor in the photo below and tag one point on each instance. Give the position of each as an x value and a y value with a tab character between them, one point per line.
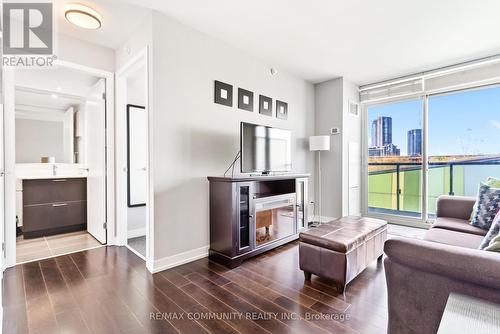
38	248
138	244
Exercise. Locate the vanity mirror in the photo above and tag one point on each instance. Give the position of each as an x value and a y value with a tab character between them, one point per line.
48	128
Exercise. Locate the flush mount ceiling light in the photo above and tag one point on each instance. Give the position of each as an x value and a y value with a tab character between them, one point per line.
82	16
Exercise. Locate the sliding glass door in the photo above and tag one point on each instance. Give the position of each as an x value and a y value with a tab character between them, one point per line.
460	134
395	158
464	142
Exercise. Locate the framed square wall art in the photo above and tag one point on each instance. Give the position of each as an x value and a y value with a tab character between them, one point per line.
245	99
265	105
223	93
281	109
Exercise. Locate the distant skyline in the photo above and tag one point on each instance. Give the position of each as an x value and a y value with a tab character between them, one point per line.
461	123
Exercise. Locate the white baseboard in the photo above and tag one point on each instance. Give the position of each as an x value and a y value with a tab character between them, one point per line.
177	259
138	232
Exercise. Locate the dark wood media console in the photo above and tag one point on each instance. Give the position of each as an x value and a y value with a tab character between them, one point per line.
251	215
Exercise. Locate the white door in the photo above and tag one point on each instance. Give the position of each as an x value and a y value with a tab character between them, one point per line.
2	189
95	133
9	165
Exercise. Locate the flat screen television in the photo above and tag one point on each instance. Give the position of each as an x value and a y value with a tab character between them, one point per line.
265	149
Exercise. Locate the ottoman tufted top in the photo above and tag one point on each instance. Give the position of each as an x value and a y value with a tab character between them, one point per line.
344	234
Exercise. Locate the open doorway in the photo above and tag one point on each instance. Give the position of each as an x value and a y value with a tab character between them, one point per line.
59	146
132	131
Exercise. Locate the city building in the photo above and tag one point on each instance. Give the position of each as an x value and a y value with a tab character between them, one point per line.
382	145
384	151
382	131
415	142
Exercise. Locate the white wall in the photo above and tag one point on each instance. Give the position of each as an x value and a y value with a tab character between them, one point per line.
332	110
142	37
84	53
136	87
328	114
37	138
351	187
192	137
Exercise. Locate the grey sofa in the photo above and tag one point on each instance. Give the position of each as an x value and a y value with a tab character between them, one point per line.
421	274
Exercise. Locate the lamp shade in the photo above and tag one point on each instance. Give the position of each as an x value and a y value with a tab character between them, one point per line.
319	143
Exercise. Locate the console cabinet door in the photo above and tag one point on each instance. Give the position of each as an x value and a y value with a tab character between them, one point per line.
302	191
244	212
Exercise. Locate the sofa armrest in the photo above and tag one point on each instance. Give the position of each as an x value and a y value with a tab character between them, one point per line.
459	207
463	264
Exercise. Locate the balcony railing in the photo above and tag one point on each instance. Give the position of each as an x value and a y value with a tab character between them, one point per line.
404	197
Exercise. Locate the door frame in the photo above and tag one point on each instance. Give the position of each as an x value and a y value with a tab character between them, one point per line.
142	56
10	178
393	219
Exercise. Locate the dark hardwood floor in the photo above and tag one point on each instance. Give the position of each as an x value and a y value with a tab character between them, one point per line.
109	290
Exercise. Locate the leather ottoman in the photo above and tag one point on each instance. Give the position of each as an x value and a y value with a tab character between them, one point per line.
342	249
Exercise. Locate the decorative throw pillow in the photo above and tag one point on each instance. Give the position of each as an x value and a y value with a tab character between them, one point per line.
488	204
492	182
492	233
494	245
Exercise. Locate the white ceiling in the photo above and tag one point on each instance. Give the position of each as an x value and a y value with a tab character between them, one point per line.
119	19
48	93
59	80
363	40
39	105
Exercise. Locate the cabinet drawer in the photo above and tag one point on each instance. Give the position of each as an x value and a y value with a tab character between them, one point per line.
54	215
54	190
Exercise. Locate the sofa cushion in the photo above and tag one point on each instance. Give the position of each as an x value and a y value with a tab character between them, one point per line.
459	225
492	233
459	207
344	234
488	204
454	238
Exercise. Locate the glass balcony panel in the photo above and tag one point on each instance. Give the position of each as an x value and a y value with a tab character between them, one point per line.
395	158
464	142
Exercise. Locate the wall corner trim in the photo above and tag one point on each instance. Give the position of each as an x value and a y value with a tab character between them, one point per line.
177	259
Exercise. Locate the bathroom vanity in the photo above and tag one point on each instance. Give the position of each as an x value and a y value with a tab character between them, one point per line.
52	206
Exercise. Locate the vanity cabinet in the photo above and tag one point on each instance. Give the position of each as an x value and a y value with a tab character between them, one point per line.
52	206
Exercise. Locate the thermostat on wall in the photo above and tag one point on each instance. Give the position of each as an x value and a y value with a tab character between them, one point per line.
335	131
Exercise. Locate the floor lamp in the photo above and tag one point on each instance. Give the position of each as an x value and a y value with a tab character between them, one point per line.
318	144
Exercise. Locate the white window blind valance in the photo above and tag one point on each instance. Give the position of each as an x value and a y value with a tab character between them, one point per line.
470	75
467	78
400	88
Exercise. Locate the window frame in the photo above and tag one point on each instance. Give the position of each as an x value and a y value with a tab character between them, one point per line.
424	96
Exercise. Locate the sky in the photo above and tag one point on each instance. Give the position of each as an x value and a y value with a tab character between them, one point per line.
460	123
